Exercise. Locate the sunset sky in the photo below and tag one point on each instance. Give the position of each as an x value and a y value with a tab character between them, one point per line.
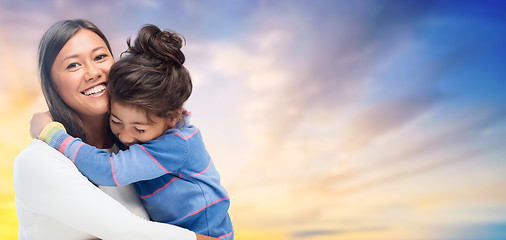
326	119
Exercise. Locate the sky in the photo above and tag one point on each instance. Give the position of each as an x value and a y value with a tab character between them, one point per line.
326	119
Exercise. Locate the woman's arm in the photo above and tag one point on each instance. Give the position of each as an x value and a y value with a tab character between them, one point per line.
48	184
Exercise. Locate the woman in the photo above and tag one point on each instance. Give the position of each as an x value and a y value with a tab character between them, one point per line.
53	200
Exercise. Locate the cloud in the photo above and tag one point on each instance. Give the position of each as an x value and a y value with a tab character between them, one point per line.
312	93
377	119
331	232
479	230
315	233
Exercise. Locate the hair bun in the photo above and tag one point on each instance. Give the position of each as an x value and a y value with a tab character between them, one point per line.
162	45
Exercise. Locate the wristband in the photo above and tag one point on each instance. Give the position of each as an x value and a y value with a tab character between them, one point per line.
49	131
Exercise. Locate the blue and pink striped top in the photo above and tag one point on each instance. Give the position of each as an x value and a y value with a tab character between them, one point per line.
173	175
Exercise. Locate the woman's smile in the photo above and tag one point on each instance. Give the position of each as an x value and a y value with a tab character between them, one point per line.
95	91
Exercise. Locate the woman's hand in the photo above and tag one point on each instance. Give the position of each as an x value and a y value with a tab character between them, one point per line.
38	122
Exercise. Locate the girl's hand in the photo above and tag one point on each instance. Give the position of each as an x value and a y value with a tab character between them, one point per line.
38	122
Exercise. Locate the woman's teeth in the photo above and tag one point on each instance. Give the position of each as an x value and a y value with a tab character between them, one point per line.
94	90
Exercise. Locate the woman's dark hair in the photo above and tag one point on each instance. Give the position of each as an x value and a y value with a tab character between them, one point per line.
52	42
151	75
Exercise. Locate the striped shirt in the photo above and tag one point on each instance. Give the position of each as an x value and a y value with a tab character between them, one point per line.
173	175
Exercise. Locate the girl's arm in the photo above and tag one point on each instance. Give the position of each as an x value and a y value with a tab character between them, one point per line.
140	162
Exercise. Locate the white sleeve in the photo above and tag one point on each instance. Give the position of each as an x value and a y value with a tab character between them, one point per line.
49	184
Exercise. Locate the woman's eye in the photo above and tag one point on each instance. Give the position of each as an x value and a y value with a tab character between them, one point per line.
100	57
140	130
72	65
114	122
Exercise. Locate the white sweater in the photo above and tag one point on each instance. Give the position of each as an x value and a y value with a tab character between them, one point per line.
55	201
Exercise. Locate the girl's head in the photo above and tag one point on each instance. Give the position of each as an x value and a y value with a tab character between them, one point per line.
74	61
151	77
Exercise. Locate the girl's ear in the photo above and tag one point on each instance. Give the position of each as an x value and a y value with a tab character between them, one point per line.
171	122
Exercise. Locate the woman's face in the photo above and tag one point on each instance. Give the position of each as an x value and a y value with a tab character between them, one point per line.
80	73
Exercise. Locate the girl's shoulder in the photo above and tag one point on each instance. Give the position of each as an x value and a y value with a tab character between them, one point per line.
185	133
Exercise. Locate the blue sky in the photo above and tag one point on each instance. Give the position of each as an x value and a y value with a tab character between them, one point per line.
326	119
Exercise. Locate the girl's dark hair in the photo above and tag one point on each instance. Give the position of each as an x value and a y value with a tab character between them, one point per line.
52	42
151	75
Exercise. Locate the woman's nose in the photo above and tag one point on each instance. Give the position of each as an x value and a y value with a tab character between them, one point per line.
92	72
